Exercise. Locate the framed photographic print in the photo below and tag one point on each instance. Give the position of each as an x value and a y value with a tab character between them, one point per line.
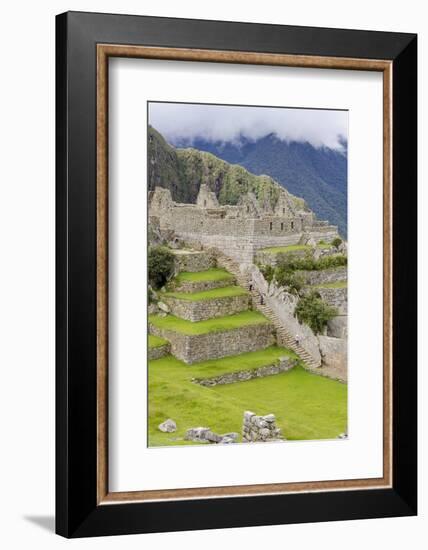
236	274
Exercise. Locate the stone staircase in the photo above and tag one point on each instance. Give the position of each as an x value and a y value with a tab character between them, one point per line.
283	336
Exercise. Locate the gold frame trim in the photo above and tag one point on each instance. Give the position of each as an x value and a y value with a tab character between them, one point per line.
104	51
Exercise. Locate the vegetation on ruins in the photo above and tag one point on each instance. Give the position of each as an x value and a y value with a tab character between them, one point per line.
306	406
268	272
309	263
160	263
225	292
314	312
287	271
336	242
293	281
218	324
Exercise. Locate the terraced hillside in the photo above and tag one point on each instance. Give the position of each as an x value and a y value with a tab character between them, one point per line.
219	357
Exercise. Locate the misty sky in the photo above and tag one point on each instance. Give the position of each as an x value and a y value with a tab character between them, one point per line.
179	122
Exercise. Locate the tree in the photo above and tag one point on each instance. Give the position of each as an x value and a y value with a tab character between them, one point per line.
160	266
287	278
336	242
314	312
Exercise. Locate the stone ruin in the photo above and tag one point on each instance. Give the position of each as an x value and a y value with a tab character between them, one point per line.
205	435
255	429
238	230
260	428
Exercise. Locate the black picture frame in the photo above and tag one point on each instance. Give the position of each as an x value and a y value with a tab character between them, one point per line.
77	512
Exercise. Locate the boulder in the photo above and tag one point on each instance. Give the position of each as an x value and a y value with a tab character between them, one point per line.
168	426
231	437
196	434
162	306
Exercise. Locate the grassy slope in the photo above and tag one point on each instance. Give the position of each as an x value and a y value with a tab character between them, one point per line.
225	292
219	324
307	406
156	342
214	274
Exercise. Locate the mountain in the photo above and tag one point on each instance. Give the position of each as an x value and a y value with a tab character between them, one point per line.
183	170
318	175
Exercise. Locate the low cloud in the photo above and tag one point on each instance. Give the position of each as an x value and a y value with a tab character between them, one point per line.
184	123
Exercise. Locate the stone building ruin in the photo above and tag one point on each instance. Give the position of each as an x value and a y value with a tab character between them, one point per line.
238	230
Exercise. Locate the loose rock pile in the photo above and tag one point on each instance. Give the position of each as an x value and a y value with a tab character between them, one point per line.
260	428
206	435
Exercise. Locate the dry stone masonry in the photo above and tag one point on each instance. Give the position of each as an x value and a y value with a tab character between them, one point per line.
205	435
206	309
192	260
239	230
200	286
283	365
158	352
201	347
260	428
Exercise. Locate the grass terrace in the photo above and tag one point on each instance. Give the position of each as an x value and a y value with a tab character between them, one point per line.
294	248
156	341
214	274
219	324
225	292
306	406
225	365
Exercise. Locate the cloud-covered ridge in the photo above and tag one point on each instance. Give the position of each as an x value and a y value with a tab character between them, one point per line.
182	122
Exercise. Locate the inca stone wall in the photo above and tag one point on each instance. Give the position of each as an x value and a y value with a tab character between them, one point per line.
207	309
325	276
264	257
201	347
241	244
283	365
336	297
259	428
193	261
158	352
239	231
200	286
338	327
333	351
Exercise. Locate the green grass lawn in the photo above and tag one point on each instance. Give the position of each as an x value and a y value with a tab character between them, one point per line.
156	342
224	292
336	284
307	406
293	248
214	274
220	324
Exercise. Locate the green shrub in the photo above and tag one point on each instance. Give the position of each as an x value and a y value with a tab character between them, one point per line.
308	263
268	272
289	279
336	242
160	266
315	313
